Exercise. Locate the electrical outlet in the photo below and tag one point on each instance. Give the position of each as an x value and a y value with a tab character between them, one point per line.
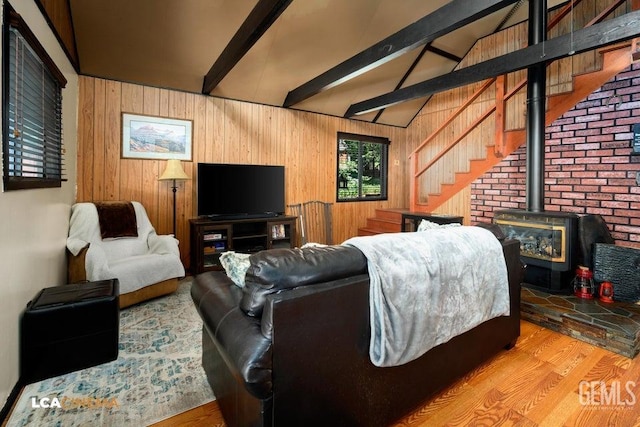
396	162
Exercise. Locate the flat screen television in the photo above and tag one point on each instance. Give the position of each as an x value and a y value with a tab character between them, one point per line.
236	191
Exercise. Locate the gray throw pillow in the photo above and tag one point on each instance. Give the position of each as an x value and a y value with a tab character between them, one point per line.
235	265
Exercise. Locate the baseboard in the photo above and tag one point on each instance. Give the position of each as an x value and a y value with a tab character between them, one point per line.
11	401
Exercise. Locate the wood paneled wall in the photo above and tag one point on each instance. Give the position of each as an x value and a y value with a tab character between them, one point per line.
224	131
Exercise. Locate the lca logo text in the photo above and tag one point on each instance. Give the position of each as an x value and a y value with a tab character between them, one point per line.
45	402
68	403
597	393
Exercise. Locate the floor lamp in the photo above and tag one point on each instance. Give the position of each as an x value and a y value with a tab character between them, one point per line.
174	172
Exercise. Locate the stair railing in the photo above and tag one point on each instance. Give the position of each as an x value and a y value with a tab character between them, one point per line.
501	98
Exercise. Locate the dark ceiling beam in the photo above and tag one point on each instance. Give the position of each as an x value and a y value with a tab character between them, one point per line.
606	33
448	55
448	18
406	76
257	23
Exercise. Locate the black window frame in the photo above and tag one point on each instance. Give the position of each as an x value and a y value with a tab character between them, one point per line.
384	167
44	140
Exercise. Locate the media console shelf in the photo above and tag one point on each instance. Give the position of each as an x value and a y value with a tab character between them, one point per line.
210	238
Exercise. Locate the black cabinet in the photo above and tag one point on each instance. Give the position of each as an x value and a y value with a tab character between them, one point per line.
211	238
411	220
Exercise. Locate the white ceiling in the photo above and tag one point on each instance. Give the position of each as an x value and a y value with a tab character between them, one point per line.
173	44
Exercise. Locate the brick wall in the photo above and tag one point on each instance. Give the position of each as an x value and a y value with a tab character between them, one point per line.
589	167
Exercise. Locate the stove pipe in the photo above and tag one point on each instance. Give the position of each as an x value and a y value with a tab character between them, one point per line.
536	99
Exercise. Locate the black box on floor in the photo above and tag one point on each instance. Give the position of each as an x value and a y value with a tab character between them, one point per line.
69	327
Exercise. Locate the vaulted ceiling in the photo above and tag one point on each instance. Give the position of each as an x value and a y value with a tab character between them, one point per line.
295	53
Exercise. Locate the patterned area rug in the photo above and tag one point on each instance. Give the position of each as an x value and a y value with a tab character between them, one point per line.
158	373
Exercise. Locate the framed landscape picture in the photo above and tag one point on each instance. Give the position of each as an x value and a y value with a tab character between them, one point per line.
156	138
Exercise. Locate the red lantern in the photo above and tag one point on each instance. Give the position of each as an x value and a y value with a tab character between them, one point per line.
583	285
606	292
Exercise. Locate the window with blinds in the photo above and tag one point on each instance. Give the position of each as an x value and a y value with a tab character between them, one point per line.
32	113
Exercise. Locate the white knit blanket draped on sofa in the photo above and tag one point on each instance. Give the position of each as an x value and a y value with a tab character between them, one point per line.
428	287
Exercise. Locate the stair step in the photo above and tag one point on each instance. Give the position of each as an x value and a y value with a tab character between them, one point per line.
383	225
363	231
391	214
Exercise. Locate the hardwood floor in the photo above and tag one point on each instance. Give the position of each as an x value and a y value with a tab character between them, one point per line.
547	379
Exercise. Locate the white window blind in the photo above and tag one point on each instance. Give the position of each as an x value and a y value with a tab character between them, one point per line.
32	114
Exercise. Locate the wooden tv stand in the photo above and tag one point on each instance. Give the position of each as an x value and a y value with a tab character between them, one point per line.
210	238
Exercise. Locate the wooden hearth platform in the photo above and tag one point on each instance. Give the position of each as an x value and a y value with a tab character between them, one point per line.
614	326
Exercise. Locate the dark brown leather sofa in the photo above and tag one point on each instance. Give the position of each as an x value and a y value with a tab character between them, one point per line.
303	360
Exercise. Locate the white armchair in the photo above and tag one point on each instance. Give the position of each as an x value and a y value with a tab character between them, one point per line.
146	266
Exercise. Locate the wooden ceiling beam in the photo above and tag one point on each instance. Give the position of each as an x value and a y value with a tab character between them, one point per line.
606	33
257	23
448	18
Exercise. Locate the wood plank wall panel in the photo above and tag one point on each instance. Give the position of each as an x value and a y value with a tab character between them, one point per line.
60	17
224	131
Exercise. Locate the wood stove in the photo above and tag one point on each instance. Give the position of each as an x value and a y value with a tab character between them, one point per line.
547	246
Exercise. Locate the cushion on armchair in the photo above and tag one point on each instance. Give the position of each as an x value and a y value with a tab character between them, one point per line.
136	261
279	269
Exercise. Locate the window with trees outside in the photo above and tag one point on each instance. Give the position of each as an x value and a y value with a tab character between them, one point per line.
362	167
32	109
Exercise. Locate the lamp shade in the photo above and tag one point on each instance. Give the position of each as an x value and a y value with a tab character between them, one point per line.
173	171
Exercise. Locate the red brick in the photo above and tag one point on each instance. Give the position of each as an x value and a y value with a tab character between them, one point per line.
622	182
562	202
561	135
587	146
599	167
588	203
619	237
574	209
562	161
612	174
623	136
602	124
599	138
595	181
601	94
587	118
616	144
600	196
618	114
600	153
586	175
562	174
627	167
628	197
615	205
627	229
589	161
613	160
600	211
577	111
615	129
573	195
616	220
588	104
586	188
612	189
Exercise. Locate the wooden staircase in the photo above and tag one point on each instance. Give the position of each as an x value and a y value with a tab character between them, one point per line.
615	60
385	221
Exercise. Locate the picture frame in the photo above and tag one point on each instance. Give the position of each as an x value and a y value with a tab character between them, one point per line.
156	138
